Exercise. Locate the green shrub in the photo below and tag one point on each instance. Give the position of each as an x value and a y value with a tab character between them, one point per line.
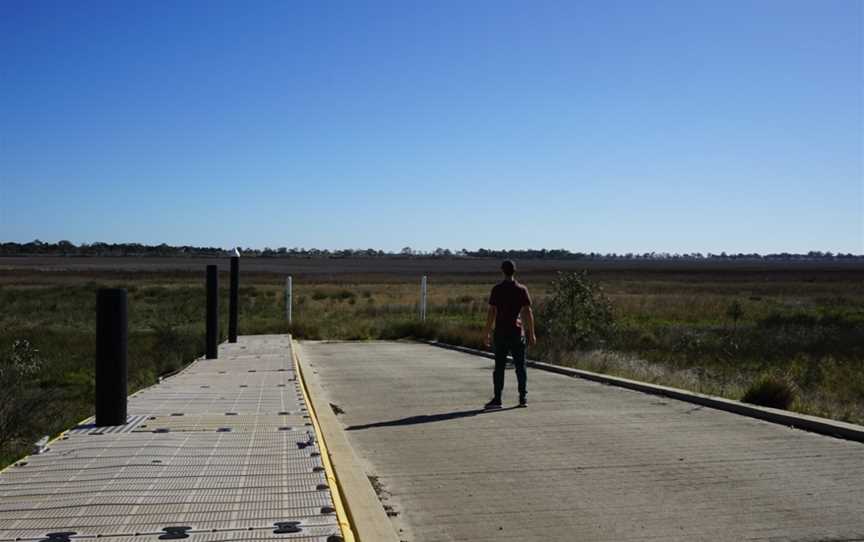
577	314
342	295
735	312
20	367
154	291
771	391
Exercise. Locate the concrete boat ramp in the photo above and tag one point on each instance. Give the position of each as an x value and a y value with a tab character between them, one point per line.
387	442
584	462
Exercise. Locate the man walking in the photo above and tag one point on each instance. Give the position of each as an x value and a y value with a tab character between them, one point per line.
509	308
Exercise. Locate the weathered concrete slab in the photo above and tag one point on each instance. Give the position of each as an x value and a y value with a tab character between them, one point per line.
584	462
225	448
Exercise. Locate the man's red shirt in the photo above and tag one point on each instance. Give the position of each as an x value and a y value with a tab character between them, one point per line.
509	297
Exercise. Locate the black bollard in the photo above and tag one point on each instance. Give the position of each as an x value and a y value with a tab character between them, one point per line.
111	356
233	299
212	312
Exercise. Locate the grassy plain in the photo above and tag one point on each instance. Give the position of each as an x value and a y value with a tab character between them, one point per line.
801	323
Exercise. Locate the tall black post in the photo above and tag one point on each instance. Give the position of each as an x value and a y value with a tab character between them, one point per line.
111	356
233	299
212	312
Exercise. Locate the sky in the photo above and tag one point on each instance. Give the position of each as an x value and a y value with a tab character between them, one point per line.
608	126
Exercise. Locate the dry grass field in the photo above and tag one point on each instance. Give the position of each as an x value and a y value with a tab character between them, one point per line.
799	324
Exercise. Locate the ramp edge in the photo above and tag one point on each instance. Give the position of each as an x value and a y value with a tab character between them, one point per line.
814	424
365	519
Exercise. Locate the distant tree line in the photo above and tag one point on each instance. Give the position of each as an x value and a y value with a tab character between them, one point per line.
562	254
67	248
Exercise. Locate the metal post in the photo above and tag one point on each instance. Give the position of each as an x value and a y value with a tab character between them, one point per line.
423	298
233	299
289	298
111	356
212	312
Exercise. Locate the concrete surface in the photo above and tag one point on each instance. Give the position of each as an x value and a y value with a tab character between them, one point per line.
225	448
823	426
584	462
368	519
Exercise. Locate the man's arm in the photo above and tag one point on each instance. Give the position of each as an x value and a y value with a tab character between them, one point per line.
490	322
528	318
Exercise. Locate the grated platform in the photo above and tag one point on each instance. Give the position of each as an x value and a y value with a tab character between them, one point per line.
223	451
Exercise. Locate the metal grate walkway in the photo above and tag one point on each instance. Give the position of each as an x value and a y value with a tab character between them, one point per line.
223	451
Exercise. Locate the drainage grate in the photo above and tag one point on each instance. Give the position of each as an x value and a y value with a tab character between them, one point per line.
287	527
175	533
58	537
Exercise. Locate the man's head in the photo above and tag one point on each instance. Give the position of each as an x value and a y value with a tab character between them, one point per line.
508	268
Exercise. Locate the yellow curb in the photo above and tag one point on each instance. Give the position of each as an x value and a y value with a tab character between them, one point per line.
365	514
338	503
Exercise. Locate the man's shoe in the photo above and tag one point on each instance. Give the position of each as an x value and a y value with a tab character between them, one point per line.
494	403
523	401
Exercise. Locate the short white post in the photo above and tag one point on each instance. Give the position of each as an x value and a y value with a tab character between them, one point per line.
423	298
289	298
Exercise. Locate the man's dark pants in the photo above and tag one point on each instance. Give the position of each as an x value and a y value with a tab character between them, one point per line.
509	344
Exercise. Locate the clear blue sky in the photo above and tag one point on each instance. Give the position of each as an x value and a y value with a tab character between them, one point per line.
595	126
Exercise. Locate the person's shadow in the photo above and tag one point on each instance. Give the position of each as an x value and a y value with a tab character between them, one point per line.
428	418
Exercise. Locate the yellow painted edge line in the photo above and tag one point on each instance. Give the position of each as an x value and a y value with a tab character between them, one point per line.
333	482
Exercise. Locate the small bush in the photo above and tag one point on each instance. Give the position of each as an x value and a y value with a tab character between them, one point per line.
770	391
248	291
648	341
318	295
20	369
735	312
578	314
155	291
342	295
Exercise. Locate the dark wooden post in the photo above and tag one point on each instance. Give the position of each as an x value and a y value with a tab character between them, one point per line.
233	299
111	356
212	312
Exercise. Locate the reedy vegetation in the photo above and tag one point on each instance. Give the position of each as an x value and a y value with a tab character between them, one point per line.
717	334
